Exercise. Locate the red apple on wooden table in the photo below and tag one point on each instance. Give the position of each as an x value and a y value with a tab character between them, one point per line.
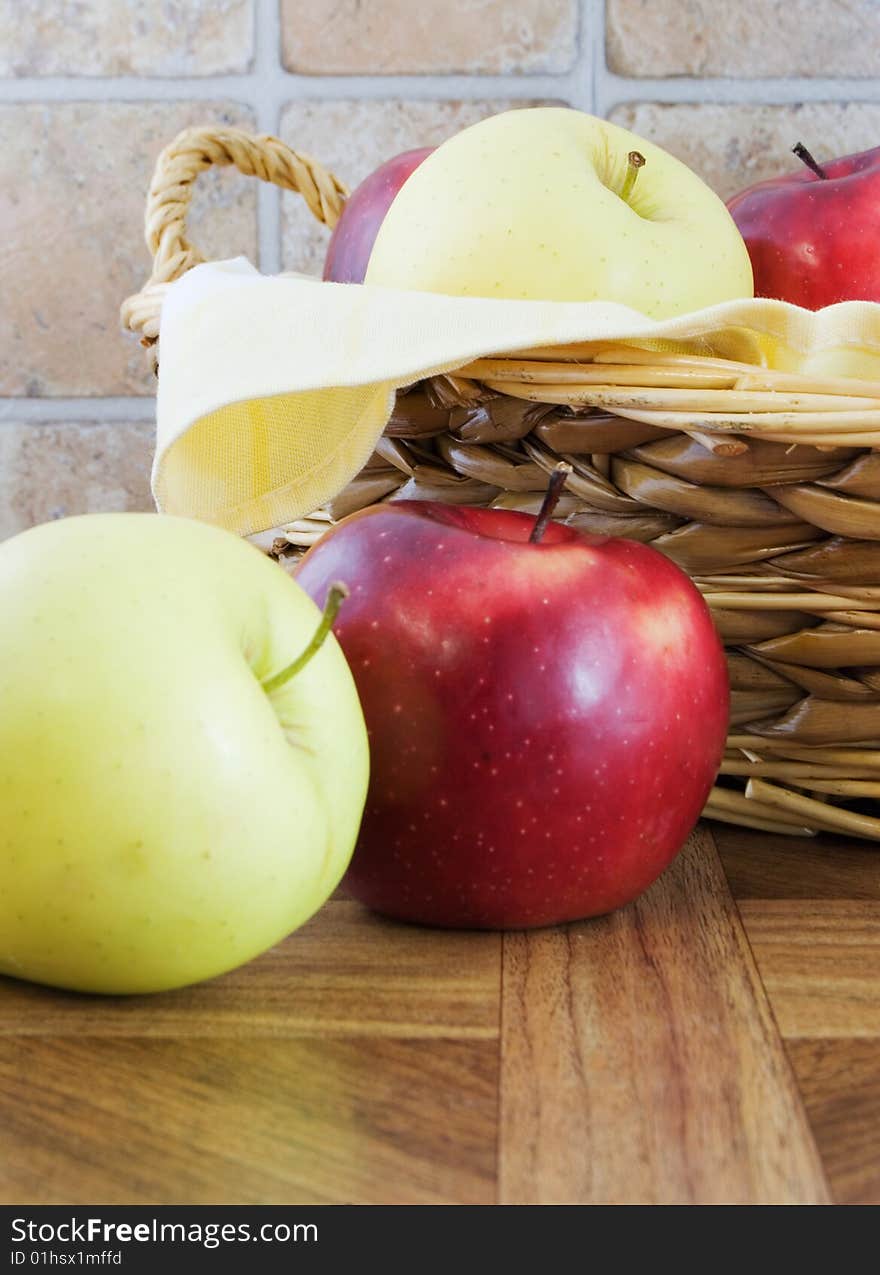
814	235
546	717
355	233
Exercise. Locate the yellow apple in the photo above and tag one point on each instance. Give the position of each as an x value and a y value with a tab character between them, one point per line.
544	204
169	807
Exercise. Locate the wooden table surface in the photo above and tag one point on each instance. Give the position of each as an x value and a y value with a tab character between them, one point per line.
717	1041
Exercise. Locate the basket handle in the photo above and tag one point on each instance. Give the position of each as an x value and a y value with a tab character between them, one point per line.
168	201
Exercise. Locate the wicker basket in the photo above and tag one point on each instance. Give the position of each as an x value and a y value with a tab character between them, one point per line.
763	485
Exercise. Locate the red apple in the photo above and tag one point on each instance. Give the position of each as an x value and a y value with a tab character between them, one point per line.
545	719
355	233
814	235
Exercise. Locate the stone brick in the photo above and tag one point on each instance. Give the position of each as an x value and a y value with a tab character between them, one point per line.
348	37
657	38
52	471
73	180
352	138
125	37
733	146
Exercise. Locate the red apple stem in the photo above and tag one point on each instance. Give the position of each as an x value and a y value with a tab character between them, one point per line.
806	158
634	161
336	595
550	501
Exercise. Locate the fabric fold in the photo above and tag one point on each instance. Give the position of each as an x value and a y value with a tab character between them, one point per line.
274	390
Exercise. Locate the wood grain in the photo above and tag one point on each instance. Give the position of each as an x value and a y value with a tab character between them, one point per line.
121	1121
826	867
347	972
359	1060
820	962
840	1083
641	1062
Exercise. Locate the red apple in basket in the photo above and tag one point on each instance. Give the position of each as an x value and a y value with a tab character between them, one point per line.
546	717
355	233
814	235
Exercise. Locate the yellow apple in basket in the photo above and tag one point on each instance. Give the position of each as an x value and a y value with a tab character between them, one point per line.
169	807
546	203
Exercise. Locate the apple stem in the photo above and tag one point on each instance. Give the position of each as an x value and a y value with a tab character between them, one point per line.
806	158
634	161
336	595
550	501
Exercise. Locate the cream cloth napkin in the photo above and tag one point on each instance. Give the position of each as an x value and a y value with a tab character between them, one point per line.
273	391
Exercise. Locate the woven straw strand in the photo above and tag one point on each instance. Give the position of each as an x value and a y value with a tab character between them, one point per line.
191	153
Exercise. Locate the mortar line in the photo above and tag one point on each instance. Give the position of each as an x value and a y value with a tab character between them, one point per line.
581	88
597	54
615	89
114	409
267	69
279	87
274	91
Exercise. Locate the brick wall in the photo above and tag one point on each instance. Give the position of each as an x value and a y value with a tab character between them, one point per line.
89	93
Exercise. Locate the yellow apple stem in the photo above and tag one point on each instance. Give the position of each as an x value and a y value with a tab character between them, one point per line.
634	161
806	158
550	501
336	595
